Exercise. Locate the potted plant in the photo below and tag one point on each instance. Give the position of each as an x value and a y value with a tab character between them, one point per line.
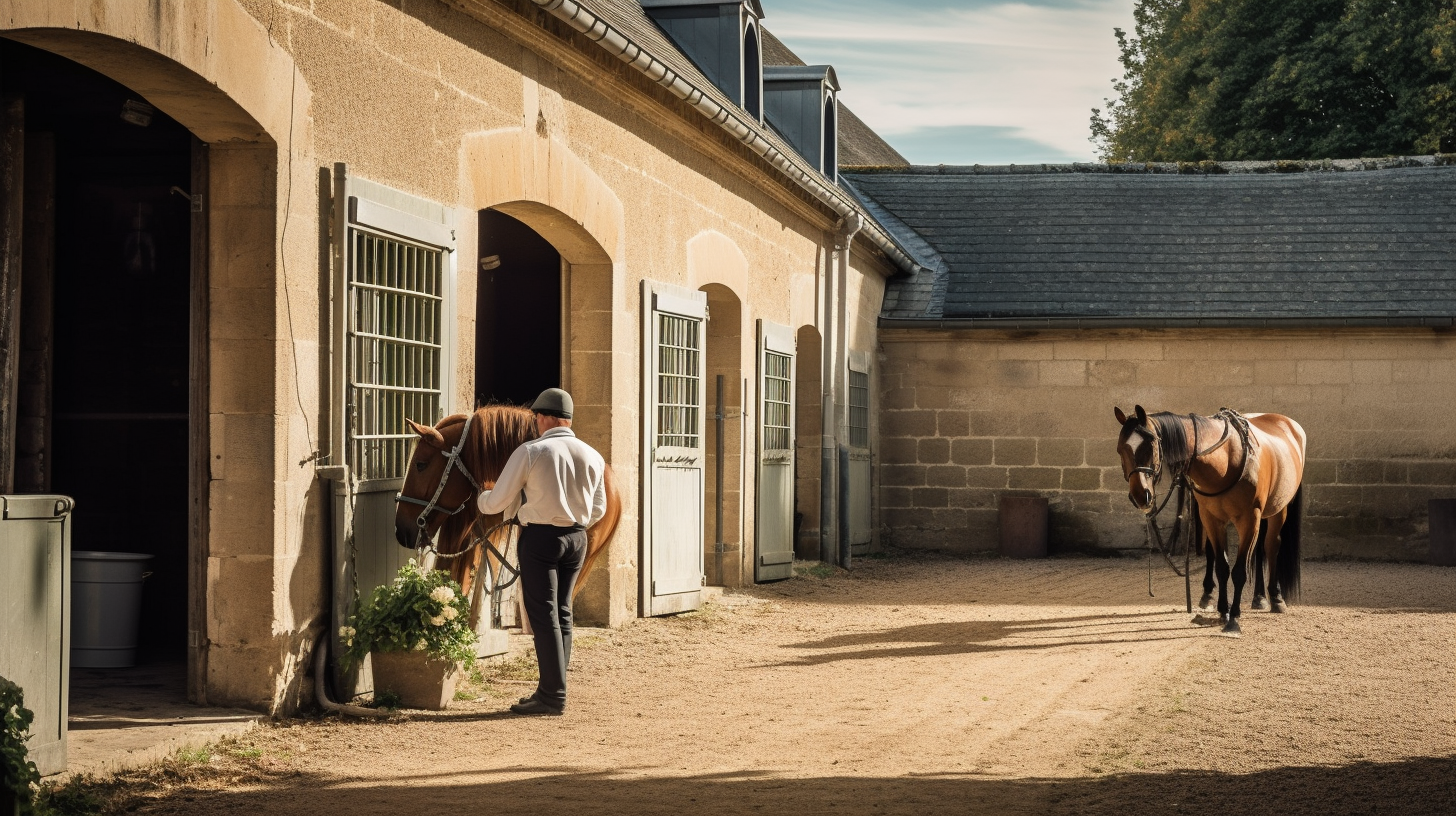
417	634
17	789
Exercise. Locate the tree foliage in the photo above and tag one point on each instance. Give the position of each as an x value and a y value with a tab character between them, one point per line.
1232	80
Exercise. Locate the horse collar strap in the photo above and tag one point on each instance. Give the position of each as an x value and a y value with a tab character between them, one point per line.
1231	419
452	461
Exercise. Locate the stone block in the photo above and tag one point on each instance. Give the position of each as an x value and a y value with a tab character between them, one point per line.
907	517
992	423
1079	350
908	423
897	450
952	424
972	498
932	396
1082	479
1059	452
241	376
929	497
1013	374
1333	500
1111	373
902	475
1062	373
1323	372
1103	452
896	496
1371	372
988	477
1320	471
241	513
1014	452
1395	472
945	476
971	452
1441	473
1026	350
897	399
1360	472
240	599
1035	478
934	451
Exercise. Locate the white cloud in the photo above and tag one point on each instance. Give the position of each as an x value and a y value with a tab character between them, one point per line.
1034	68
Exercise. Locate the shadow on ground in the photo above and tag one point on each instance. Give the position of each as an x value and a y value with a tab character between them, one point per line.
1419	786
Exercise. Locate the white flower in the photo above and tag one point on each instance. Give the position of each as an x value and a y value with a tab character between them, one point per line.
450	613
438	620
347	632
443	594
420	647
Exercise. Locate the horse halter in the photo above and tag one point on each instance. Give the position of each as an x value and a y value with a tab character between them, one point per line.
452	461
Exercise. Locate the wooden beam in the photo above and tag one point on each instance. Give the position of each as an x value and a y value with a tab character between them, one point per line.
199	444
34	457
12	200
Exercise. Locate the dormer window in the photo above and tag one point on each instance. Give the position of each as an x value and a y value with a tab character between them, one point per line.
801	103
722	40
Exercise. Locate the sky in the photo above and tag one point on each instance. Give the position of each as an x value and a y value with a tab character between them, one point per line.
965	81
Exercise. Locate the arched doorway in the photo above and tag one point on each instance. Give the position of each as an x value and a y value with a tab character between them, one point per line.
105	386
518	318
724	430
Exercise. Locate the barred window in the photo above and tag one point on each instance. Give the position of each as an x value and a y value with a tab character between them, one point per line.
777	384
678	380
396	295
859	409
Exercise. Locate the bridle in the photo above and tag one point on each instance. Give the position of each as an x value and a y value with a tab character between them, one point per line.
452	461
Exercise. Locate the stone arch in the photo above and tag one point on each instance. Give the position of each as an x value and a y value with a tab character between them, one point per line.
725	556
714	258
541	183
212	67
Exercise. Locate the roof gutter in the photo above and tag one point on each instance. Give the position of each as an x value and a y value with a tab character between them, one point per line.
623	48
1049	323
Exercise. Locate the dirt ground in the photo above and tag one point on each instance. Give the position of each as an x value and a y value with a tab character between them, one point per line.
917	684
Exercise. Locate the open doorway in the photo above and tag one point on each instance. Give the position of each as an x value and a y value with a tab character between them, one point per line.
105	388
518	321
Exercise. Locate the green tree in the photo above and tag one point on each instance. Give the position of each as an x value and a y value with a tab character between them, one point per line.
1282	79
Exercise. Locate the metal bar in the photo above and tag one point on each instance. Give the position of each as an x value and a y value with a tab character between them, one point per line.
390	339
411	292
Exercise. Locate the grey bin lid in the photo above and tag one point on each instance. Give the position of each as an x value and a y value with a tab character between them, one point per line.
36	507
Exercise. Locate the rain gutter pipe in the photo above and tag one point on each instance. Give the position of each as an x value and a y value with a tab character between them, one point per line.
1052	323
623	48
833	488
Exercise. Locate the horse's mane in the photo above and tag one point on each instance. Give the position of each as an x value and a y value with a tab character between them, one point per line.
1174	443
496	433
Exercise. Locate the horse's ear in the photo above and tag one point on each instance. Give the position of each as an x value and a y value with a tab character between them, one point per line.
1121	417
427	433
1141	414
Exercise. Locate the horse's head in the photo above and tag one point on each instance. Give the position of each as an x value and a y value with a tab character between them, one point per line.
414	515
1137	447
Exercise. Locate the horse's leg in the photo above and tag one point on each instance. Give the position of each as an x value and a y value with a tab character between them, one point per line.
1216	540
1273	538
1259	546
1248	528
1206	603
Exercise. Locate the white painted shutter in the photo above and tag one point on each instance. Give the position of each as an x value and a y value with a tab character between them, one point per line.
774	538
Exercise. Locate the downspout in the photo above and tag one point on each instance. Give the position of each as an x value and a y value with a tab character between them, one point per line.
833	531
811	181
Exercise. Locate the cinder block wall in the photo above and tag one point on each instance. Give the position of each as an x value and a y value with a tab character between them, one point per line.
970	416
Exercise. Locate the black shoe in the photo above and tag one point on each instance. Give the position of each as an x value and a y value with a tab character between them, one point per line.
534	706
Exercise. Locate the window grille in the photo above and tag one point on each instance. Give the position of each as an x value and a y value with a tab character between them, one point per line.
776	394
396	294
678	380
859	409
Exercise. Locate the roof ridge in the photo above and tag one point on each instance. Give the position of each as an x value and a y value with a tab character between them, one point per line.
1203	168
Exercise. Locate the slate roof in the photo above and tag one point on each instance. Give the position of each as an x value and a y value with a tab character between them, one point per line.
859	146
1241	245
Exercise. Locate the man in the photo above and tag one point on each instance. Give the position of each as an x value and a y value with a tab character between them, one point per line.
564	486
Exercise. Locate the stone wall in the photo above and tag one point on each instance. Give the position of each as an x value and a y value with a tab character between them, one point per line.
970	416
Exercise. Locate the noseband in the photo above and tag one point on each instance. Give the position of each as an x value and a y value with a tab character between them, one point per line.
452	461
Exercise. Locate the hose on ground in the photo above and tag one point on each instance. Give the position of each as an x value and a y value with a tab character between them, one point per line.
320	690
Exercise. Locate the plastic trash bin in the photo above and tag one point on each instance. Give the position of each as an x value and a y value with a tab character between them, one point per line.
35	545
106	603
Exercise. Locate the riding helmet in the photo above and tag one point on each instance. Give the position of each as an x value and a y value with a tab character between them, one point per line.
553	402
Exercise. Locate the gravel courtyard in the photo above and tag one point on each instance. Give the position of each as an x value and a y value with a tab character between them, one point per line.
916	684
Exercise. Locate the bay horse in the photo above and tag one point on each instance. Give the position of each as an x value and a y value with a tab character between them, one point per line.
1245	470
438	499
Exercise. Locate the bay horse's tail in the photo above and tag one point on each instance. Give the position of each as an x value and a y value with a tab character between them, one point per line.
599	535
1287	565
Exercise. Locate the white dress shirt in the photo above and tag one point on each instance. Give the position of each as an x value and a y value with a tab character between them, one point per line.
563	481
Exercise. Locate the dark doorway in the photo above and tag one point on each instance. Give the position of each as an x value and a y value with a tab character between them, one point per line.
518	312
117	271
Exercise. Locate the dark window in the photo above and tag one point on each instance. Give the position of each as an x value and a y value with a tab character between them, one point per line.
752	75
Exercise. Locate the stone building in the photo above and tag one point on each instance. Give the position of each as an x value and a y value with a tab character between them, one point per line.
1047	295
244	239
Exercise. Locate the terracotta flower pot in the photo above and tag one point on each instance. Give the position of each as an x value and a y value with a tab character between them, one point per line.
420	680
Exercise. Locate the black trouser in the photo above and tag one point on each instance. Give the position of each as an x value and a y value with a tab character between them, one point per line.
551	559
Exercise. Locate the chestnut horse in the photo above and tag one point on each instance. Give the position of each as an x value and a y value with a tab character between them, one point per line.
1246	470
492	432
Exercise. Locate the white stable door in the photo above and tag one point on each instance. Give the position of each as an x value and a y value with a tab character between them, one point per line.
674	333
774	539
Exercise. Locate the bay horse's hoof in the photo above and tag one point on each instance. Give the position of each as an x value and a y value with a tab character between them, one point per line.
1231	629
1278	606
1207	603
1259	603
